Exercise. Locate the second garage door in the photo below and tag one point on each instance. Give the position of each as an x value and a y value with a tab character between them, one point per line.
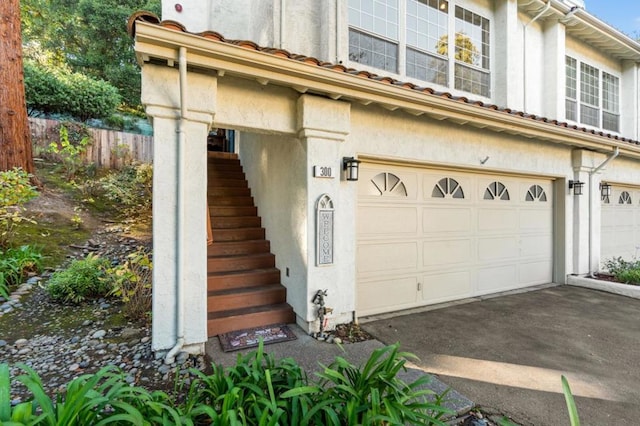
427	236
620	235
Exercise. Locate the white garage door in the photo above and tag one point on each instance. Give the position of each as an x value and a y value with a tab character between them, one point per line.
620	236
427	236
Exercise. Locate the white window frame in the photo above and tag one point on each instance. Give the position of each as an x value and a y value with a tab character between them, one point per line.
403	48
583	95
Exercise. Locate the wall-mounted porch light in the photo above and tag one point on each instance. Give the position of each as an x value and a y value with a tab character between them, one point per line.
576	185
351	167
605	190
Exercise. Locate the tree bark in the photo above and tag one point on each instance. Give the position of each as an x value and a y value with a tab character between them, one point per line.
15	137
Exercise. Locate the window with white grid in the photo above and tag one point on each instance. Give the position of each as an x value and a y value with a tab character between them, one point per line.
589	95
373	33
379	37
571	92
610	102
472	53
427	28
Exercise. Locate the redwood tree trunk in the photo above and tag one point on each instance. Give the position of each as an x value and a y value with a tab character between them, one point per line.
15	137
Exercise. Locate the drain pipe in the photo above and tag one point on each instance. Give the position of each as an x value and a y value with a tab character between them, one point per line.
524	53
182	138
616	152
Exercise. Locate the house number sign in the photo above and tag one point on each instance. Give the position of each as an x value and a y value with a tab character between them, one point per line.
324	230
323	172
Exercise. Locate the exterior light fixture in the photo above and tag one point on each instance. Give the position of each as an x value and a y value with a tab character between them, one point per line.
605	190
351	167
576	185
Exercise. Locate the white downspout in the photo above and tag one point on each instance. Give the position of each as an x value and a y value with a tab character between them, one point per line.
182	137
338	33
616	152
283	22
524	53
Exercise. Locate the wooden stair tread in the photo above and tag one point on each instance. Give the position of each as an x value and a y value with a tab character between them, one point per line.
212	274
264	288
249	310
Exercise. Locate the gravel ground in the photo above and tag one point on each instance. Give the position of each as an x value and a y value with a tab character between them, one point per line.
61	342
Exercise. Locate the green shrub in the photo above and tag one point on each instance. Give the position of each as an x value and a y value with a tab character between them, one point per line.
15	191
627	272
83	279
258	390
133	281
71	154
131	187
55	90
16	264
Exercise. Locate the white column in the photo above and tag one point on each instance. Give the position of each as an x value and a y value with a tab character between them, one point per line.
179	204
324	124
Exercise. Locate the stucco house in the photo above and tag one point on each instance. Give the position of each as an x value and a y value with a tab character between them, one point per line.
495	144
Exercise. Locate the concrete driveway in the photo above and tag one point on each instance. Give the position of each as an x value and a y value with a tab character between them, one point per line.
507	353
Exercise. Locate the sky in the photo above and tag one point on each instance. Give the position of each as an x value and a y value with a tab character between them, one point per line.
624	15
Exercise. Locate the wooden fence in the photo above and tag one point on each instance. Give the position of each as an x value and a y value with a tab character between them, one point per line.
109	148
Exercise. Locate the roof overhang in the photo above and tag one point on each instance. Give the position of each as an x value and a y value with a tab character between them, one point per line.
158	44
586	27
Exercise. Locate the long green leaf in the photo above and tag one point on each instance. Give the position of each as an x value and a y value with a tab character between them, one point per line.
571	404
5	393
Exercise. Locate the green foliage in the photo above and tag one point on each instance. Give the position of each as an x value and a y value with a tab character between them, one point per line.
57	90
70	153
15	191
131	187
258	390
89	36
83	279
571	404
627	272
133	280
16	264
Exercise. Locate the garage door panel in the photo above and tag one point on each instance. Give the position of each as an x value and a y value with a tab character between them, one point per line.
446	252
377	296
536	245
446	286
533	273
391	256
374	221
503	220
452	220
536	220
498	249
496	278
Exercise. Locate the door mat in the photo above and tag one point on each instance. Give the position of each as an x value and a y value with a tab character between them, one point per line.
250	338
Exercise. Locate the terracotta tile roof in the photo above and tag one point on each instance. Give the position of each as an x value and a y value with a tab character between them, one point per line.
247	44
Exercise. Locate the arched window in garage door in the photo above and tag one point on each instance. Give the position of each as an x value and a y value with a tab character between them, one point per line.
625	198
388	184
447	188
536	193
496	191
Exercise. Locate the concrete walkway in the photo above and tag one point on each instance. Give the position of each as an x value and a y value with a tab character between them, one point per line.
507	353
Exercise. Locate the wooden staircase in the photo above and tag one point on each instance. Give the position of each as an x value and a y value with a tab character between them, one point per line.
244	288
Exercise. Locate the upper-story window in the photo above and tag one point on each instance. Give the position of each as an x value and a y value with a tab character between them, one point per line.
425	51
592	96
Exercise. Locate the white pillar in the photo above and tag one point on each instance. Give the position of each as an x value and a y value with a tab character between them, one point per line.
179	231
324	124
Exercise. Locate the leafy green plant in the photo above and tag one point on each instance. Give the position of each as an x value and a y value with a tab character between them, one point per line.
16	264
71	154
132	283
15	191
131	187
624	271
374	394
83	279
